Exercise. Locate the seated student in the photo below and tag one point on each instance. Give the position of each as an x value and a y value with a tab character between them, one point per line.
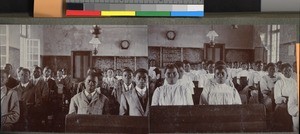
243	73
258	74
293	109
220	93
124	85
81	85
282	89
110	80
118	74
10	110
27	101
89	101
187	69
267	86
135	102
158	81
12	82
171	93
184	79
213	80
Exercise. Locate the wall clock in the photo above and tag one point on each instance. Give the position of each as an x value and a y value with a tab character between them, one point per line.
124	44
171	35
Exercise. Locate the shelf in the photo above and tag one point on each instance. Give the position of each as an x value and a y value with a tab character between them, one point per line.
209	18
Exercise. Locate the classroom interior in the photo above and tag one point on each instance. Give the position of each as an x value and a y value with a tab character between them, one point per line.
69	47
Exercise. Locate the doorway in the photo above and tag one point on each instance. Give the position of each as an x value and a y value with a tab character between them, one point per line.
81	61
214	53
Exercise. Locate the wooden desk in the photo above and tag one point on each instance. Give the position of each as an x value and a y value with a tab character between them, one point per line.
106	124
227	118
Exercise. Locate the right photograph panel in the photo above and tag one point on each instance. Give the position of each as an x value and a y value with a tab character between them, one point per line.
223	78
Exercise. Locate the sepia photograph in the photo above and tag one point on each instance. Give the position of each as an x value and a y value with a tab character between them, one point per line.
149	78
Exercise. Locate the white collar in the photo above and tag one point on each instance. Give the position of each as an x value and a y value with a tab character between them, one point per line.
130	85
47	78
141	91
24	85
87	93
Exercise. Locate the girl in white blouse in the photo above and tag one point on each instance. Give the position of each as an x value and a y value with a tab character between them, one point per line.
220	93
172	93
282	90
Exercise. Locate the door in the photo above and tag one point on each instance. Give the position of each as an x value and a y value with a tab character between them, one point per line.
81	62
214	53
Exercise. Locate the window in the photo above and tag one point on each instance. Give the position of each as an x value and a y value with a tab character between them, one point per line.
30	52
4	45
273	40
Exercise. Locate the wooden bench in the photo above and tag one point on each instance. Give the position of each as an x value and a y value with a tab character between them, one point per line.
106	124
205	118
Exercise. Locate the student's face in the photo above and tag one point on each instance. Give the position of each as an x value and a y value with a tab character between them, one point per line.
47	72
8	68
171	76
37	73
260	67
91	84
4	78
127	77
187	67
211	68
24	76
141	80
180	72
110	73
271	70
244	66
287	72
221	76
59	73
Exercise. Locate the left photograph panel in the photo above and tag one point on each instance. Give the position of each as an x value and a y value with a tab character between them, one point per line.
73	78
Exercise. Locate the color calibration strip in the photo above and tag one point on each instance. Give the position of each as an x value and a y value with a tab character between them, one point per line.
146	8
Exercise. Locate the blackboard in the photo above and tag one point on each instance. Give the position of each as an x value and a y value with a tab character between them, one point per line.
170	55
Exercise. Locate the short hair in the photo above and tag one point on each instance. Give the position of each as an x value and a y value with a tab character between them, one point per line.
220	62
285	65
127	69
37	67
270	65
178	64
220	67
186	62
109	69
25	70
8	64
140	70
170	66
210	62
46	68
19	69
157	71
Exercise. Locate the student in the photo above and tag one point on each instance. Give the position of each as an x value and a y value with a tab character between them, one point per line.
187	69
184	79
294	75
267	86
282	90
135	102
27	101
125	84
110	80
171	93
243	73
293	109
220	93
89	101
10	110
12	82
